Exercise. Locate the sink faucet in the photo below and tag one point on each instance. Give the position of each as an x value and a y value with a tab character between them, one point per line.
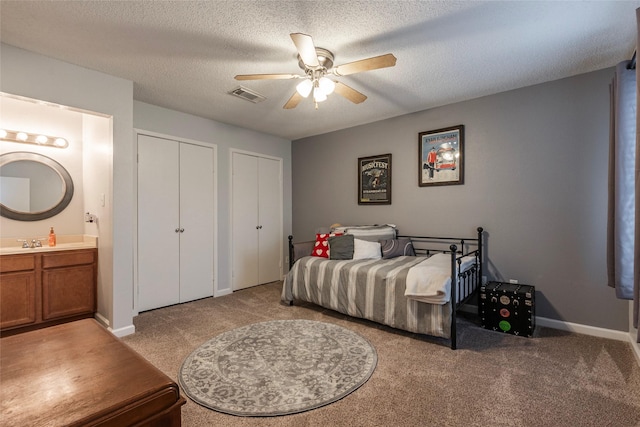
35	243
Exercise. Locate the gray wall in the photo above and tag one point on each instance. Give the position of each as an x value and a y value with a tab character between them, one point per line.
535	179
173	123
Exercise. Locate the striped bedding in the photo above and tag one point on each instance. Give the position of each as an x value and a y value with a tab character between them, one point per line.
368	289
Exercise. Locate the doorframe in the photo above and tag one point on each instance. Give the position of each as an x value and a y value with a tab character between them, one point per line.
280	161
137	132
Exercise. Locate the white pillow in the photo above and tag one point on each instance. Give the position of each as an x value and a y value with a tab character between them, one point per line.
363	249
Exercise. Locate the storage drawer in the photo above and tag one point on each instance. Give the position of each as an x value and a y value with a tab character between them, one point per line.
508	308
68	258
9	263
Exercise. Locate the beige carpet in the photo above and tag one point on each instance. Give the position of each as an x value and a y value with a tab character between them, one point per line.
553	379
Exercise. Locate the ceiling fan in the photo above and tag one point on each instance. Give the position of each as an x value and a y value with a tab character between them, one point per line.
317	64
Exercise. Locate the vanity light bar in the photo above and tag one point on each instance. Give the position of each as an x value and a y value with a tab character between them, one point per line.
33	138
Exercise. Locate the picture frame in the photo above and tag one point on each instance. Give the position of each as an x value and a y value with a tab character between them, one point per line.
374	180
441	156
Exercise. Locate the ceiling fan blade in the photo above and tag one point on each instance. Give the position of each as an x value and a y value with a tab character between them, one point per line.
293	101
350	93
306	49
382	61
266	76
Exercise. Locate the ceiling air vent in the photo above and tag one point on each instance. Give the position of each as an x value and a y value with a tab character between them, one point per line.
249	95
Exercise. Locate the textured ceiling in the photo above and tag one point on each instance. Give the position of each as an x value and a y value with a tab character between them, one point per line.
183	55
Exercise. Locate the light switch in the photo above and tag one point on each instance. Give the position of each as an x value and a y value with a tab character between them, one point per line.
102	199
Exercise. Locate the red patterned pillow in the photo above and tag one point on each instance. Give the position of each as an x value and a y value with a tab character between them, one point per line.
321	247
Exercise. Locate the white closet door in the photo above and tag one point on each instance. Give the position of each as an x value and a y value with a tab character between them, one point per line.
244	195
158	218
196	222
270	214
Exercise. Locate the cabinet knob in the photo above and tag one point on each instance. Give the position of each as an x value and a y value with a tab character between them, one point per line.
177	230
182	230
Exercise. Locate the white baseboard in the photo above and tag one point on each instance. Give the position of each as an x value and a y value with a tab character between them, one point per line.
582	329
102	320
222	293
122	332
568	326
635	346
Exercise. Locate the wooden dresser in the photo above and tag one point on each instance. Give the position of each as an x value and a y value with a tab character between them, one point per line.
79	374
41	289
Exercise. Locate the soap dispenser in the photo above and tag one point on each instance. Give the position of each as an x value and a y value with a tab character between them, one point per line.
52	237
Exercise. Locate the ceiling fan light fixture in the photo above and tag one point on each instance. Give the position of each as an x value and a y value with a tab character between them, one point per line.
304	87
327	85
317	64
319	95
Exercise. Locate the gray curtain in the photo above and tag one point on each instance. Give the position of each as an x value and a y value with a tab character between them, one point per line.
623	230
636	275
622	165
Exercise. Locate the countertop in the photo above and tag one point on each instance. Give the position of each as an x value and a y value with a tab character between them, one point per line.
11	246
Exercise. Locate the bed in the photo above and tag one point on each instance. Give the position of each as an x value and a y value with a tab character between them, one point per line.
417	292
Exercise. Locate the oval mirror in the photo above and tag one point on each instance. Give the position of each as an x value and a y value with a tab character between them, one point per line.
33	186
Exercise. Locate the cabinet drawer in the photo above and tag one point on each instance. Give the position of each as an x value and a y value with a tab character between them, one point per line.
9	263
52	260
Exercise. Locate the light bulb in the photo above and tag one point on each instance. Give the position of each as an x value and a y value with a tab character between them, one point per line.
327	85
3	133
61	142
21	136
319	95
304	87
41	139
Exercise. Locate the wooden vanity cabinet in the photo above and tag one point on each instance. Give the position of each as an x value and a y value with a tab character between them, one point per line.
46	288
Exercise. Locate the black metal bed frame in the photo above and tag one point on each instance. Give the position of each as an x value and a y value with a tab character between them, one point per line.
465	283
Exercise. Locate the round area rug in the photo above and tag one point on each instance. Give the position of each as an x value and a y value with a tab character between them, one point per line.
276	368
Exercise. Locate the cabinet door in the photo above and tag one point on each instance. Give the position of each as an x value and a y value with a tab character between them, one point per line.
270	220
17	299
244	195
68	291
196	221
158	220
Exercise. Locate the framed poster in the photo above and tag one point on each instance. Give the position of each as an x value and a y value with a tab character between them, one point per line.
374	180
441	156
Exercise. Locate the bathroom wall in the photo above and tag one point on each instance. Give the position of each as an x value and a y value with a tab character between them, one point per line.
88	160
34	117
39	77
97	182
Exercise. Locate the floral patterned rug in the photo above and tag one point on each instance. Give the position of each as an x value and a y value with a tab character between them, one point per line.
276	368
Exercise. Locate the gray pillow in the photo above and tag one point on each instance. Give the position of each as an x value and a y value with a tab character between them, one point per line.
341	247
397	247
370	233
